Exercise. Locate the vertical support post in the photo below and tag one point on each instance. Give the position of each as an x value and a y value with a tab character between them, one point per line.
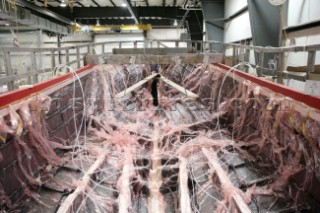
78	57
235	55
9	70
120	45
201	46
260	63
145	44
204	46
59	51
92	49
224	52
103	49
211	46
177	44
247	58
88	49
67	55
158	44
240	56
39	46
135	44
53	61
311	62
34	67
280	67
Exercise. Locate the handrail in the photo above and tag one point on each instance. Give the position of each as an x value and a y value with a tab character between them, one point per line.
59	53
313	47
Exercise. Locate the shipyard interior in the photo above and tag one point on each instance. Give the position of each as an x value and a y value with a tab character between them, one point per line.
159	106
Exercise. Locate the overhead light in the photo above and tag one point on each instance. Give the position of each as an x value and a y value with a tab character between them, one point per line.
175	23
63	3
123	5
7	24
98	23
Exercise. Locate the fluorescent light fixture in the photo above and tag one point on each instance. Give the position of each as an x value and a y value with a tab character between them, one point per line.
98	23
7	24
63	3
175	23
123	5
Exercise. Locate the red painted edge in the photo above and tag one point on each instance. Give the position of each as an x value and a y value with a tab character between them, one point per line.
312	101
17	95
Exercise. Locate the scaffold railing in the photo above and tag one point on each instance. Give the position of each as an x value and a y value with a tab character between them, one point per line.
233	53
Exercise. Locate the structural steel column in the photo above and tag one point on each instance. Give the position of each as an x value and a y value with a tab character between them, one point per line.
213	12
265	27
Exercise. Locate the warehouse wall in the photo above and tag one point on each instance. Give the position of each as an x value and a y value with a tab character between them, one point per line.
119	37
21	62
303	37
155	34
165	34
299	12
303	11
239	27
232	6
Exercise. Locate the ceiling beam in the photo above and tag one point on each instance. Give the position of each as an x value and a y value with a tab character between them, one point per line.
36	9
112	3
175	3
96	3
130	9
153	22
111	12
106	21
79	3
163	3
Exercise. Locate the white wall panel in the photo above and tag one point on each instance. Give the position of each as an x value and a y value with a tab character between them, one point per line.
233	6
303	37
164	34
303	11
238	28
117	37
74	37
26	39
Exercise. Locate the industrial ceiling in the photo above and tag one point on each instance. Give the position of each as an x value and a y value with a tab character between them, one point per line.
158	13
